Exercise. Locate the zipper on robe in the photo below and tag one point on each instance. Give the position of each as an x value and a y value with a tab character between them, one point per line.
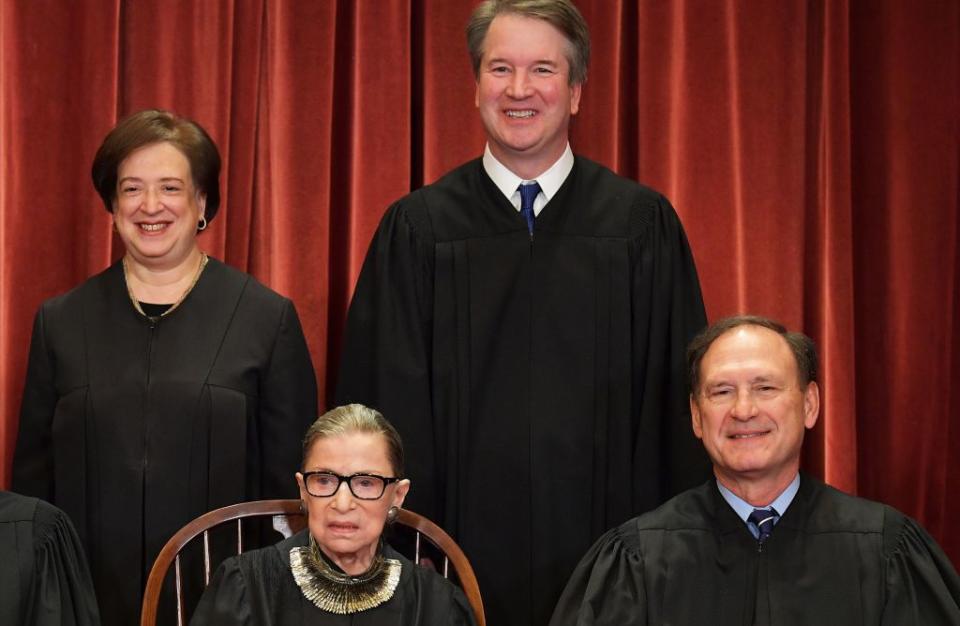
152	323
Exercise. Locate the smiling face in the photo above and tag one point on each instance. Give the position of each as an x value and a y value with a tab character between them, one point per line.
346	528
524	93
751	410
157	207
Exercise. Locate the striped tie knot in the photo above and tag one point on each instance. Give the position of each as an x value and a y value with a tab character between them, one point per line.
764	519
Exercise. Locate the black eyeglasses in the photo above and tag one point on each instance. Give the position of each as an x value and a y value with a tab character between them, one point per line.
362	486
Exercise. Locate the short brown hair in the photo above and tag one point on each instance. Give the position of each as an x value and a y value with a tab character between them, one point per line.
803	348
356	418
561	14
153	126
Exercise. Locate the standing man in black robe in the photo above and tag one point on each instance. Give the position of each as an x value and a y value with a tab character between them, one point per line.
522	320
762	543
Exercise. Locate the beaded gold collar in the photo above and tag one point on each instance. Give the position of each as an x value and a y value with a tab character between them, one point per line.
336	592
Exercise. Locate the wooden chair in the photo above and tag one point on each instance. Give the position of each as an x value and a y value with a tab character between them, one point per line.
287	520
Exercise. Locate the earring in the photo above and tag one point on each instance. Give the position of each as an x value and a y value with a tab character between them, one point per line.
392	514
303	509
202	225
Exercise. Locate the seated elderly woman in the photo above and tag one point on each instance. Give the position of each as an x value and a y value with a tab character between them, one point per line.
338	570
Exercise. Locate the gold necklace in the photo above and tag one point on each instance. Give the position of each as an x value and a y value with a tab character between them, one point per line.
339	593
193	283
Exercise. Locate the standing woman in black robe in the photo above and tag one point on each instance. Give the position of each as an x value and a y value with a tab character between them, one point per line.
167	385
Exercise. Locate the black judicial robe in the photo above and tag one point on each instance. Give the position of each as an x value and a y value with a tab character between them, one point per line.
538	382
832	559
257	589
44	579
134	428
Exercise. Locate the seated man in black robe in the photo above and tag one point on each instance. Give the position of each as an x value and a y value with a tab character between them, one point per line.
763	543
44	580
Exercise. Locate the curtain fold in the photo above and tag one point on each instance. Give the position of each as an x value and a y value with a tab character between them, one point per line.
811	149
828	307
904	69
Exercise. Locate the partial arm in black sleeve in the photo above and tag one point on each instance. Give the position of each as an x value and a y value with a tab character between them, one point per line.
33	457
288	405
386	352
669	311
61	592
606	589
225	601
922	585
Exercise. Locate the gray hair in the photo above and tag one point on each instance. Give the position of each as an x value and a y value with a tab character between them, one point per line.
356	418
561	14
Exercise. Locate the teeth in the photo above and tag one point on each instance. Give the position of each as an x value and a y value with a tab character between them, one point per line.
153	227
520	114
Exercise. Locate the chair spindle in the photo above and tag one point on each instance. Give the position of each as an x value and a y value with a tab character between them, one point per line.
206	557
179	582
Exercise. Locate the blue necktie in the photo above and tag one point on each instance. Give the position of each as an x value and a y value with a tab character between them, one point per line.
764	520
528	193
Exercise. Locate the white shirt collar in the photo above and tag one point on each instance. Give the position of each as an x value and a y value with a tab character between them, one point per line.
507	182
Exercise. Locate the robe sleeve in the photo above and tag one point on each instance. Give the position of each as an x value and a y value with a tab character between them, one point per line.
288	405
62	592
461	614
225	602
668	312
606	588
922	585
33	457
385	363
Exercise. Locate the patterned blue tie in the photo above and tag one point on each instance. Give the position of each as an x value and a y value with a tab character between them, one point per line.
528	193
764	520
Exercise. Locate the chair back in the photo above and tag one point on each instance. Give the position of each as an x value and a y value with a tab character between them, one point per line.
288	519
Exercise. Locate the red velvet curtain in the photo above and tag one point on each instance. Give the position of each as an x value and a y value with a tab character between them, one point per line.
811	149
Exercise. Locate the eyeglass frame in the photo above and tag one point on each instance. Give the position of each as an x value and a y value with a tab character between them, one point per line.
387	481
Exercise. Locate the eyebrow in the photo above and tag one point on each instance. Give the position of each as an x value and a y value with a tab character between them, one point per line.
164	179
537	62
753	381
367	471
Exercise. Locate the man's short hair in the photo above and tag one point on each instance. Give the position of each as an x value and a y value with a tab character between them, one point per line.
561	14
803	348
